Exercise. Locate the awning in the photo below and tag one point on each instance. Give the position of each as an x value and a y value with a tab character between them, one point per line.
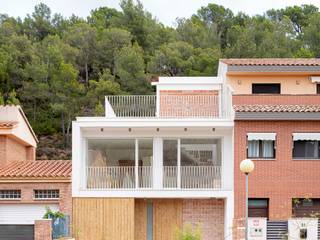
262	136
315	79
306	136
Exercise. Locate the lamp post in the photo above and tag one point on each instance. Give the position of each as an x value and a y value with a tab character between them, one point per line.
246	167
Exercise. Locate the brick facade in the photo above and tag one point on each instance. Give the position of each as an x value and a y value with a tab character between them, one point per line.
12	150
42	229
208	214
27	192
193	103
280	179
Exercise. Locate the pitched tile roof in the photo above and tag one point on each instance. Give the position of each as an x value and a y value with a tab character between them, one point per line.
277	108
7	124
37	169
272	61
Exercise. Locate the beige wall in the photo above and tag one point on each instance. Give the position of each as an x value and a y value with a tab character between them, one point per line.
293	84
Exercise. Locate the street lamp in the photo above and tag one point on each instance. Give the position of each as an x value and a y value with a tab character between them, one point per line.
246	167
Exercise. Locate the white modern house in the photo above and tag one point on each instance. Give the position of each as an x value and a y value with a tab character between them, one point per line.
155	163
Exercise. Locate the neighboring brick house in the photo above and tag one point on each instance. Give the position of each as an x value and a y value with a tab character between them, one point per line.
27	186
277	125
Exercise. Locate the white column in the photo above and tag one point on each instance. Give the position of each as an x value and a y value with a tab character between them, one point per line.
136	164
228	216
227	161
157	163
179	164
76	159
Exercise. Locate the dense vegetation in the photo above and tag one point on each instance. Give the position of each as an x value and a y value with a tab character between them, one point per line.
58	68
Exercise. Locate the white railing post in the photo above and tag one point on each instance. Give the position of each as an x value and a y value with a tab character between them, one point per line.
136	164
179	165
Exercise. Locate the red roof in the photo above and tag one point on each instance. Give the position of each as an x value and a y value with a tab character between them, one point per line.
8	124
277	108
272	61
37	169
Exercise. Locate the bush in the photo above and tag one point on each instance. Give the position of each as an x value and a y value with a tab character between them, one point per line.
188	233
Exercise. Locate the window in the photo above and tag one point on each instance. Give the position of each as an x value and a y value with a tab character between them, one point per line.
306	149
10	194
46	194
261	145
306	207
266	88
318	88
119	163
258	207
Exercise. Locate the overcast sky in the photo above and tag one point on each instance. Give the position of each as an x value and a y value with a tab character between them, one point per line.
165	10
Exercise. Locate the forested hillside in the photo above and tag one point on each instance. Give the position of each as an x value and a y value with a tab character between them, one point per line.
58	68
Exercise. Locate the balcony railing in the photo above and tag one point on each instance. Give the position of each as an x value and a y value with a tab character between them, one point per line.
216	105
191	177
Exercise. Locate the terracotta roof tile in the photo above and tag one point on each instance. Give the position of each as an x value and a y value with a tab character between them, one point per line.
37	169
277	108
8	124
272	61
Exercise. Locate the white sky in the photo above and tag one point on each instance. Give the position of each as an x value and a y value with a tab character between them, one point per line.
165	10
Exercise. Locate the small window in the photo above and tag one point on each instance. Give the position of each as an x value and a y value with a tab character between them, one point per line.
261	149
306	149
306	207
318	88
258	207
46	194
266	88
10	194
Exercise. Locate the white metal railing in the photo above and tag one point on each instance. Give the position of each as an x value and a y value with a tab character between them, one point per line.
192	177
145	176
170	174
200	177
133	105
118	177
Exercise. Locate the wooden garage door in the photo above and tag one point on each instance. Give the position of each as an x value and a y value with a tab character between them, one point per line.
17	232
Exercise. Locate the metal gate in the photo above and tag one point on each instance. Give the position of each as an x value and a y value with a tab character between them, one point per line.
277	230
17	232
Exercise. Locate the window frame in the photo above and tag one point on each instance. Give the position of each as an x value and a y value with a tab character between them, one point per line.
46	191
259	199
15	193
306	158
253	85
261	150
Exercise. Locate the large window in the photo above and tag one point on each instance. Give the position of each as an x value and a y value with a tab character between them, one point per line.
192	163
266	88
258	207
261	145
114	163
306	149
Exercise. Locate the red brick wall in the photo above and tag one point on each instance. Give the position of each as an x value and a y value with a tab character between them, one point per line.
42	229
65	201
208	214
276	99
281	179
12	150
183	103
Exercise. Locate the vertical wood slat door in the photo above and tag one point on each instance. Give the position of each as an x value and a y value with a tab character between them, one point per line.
167	218
103	218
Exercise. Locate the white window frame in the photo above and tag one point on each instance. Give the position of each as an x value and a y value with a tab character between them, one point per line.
45	194
15	193
262	137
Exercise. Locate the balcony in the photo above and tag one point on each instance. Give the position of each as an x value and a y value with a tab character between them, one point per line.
215	104
129	164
